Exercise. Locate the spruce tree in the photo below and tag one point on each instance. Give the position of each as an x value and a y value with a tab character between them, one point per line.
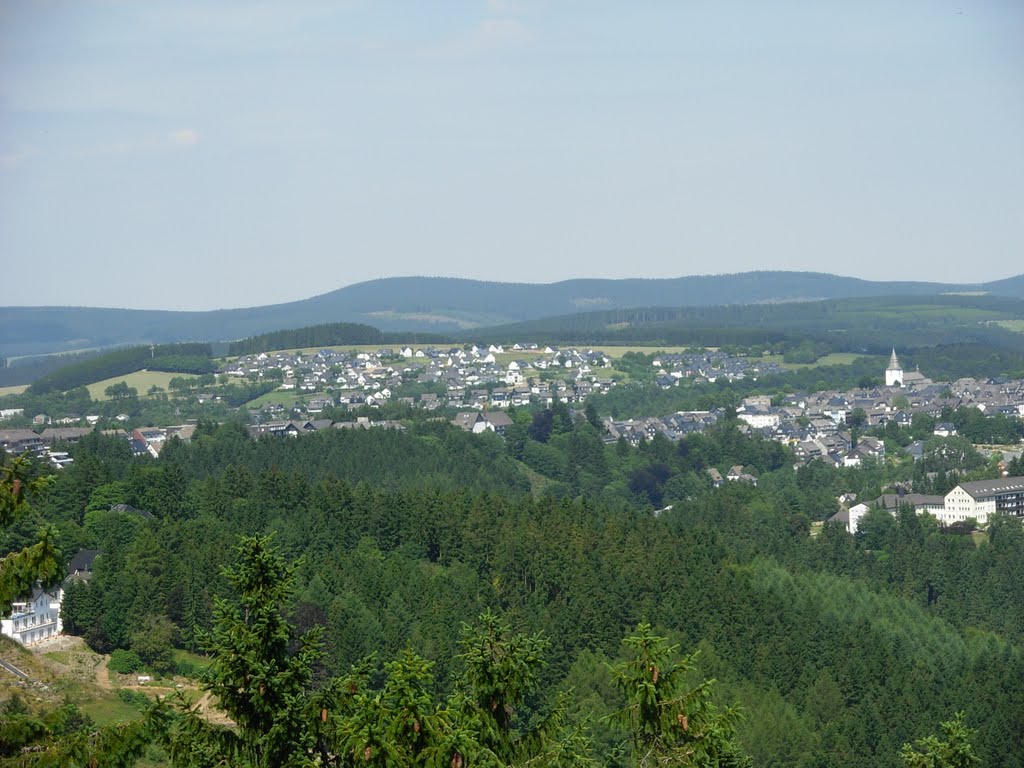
669	723
19	571
953	751
258	677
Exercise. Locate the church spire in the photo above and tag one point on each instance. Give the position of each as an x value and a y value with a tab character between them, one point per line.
894	373
894	362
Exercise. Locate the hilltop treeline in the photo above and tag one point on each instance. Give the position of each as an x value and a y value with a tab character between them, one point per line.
25	371
174	358
329	335
838	649
870	325
316	336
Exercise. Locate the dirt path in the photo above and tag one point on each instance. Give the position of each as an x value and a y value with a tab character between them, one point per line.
103	674
211	713
83	662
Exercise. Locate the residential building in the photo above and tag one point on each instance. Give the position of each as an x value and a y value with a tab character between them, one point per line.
981	499
35	619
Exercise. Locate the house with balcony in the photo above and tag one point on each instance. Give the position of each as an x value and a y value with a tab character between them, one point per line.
35	619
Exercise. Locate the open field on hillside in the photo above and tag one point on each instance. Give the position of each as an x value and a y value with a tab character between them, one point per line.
1012	325
13	358
140	380
286	398
835	358
13	390
609	349
67	669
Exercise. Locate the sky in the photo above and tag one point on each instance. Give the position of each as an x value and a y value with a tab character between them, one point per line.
195	155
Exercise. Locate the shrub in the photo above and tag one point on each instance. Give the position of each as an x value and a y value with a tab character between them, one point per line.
124	662
140	700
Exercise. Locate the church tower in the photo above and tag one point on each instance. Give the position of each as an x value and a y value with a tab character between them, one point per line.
894	373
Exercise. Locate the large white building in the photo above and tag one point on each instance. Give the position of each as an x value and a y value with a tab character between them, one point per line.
35	619
981	499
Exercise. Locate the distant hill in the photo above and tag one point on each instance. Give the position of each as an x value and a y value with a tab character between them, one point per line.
437	305
870	325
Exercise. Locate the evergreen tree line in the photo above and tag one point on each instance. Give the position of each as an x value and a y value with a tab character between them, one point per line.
176	358
839	649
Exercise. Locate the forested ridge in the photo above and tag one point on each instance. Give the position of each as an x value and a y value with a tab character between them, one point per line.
451	306
866	325
837	650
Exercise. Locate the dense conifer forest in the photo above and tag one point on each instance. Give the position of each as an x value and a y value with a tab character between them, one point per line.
826	649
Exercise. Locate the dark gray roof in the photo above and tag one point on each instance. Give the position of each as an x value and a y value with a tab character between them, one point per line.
891	501
82	561
980	488
129	509
842	516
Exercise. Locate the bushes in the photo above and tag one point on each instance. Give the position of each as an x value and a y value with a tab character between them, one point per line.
124	662
140	700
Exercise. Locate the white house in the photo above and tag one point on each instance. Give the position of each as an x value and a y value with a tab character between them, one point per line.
35	619
758	418
850	517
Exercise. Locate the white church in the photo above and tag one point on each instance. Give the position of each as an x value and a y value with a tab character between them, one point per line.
895	376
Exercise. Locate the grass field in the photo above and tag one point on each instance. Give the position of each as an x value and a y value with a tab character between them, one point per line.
286	398
1012	325
525	354
140	380
835	358
13	390
106	708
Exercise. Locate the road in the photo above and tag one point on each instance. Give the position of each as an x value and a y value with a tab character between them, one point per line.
13	670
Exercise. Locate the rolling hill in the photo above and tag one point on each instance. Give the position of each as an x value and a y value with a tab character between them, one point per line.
439	305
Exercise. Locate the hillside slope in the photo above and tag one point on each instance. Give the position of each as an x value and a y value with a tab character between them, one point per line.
438	305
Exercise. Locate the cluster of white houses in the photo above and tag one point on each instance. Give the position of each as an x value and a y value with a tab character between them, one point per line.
977	500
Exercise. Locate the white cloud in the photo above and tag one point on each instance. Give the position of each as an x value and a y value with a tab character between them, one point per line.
504	7
16	158
489	34
186	137
182	138
496	33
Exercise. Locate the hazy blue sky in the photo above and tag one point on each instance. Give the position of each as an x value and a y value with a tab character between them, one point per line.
190	155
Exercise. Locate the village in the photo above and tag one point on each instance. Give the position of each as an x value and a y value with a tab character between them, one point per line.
476	385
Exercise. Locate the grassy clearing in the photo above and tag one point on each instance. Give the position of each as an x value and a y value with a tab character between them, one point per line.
16	390
537	481
287	398
180	655
619	351
511	354
1016	326
107	709
140	380
835	358
942	312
